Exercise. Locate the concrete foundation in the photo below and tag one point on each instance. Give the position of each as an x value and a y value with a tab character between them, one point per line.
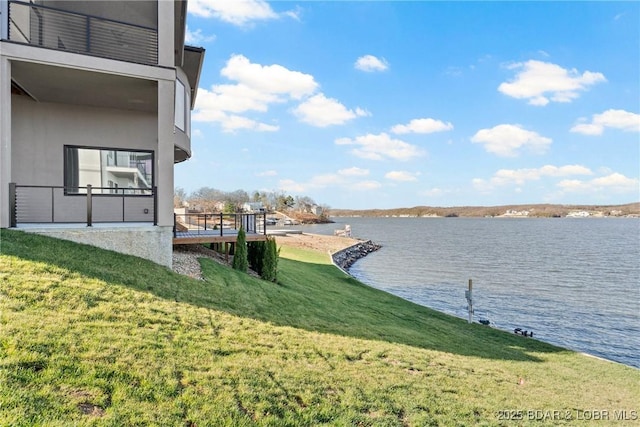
149	242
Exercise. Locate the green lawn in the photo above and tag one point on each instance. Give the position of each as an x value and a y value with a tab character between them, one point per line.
91	337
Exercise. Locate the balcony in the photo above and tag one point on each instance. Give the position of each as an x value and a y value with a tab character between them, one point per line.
42	205
86	34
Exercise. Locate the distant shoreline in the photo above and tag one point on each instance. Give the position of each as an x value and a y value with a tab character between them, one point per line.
630	210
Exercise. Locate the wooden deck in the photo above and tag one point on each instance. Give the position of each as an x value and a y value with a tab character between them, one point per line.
214	236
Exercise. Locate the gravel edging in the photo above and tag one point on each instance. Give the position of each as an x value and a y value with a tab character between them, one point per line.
185	260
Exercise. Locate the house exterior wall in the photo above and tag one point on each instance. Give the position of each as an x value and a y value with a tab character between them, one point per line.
40	132
33	134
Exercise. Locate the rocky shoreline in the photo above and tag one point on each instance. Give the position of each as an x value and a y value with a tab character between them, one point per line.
346	257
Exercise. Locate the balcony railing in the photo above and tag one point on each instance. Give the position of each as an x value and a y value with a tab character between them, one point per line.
59	29
218	224
39	204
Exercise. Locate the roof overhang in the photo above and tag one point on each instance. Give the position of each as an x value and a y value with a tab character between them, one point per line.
192	67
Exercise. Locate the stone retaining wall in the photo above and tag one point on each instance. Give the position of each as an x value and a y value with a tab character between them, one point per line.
346	257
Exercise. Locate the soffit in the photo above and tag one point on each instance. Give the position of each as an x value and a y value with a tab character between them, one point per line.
46	83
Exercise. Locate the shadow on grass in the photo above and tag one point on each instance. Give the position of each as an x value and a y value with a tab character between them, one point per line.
309	296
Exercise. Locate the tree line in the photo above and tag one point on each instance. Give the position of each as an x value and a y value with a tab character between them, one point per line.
209	199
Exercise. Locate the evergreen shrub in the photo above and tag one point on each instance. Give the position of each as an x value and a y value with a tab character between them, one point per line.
240	260
270	261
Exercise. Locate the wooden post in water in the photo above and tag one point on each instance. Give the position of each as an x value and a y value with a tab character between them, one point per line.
469	296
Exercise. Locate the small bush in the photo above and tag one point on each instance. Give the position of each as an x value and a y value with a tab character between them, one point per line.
240	260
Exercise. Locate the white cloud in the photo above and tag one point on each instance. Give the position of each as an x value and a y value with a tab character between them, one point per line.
616	119
271	79
354	171
508	140
401	176
256	87
267	173
427	125
294	14
381	146
542	82
235	98
370	63
194	37
505	177
321	111
343	179
236	12
615	182
232	123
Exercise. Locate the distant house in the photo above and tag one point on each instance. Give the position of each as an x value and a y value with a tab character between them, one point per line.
578	214
95	99
316	210
253	207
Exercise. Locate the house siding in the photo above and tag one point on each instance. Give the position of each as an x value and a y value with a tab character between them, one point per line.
55	112
41	130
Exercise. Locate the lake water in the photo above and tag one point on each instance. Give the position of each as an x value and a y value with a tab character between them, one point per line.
573	282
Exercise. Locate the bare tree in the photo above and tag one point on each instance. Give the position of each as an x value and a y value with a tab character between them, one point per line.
179	197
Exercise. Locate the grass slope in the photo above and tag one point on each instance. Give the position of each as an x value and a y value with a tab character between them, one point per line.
91	337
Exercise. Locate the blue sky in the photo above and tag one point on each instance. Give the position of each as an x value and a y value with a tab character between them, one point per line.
374	104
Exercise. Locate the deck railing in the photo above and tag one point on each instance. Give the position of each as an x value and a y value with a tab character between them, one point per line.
42	204
60	29
198	224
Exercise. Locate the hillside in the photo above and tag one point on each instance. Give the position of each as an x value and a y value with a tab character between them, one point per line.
534	210
92	337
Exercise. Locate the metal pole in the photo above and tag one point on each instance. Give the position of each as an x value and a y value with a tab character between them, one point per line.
155	207
89	206
13	221
470	301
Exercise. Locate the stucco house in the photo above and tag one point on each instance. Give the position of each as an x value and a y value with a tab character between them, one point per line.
95	105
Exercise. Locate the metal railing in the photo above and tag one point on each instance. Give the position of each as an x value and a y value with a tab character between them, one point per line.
42	204
199	224
60	29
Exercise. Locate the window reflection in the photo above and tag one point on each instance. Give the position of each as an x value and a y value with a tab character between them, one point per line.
108	171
